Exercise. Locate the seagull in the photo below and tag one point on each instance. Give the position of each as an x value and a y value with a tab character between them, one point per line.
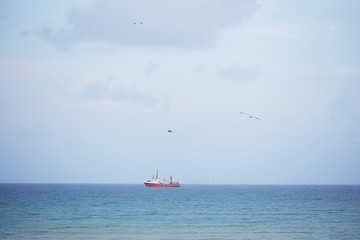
170	131
250	116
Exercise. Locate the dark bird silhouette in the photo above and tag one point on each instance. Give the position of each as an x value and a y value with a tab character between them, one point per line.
250	116
170	131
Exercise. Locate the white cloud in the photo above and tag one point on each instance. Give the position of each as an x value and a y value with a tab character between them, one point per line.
164	23
101	91
282	31
294	31
151	68
240	73
199	68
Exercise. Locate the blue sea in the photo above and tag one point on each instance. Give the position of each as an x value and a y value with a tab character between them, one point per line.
95	211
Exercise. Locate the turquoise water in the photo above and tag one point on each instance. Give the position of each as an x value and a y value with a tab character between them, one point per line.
71	211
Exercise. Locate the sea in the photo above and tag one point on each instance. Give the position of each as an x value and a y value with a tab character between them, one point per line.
211	212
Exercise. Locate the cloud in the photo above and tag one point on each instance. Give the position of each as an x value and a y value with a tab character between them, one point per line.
283	31
151	68
181	24
199	68
240	74
297	31
100	91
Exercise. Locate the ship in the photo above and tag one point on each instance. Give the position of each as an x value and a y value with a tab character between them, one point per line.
155	182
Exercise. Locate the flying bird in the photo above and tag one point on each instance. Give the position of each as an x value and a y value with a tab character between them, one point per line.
250	116
170	131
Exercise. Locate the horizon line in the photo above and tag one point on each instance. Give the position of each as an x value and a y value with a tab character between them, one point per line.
253	184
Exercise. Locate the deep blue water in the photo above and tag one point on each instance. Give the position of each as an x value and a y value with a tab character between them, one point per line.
90	211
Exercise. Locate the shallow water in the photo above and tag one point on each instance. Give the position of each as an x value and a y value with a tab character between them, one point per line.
90	211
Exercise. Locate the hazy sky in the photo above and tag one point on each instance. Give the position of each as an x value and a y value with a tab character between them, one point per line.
89	88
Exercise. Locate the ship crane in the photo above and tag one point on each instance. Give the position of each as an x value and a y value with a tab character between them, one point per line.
168	180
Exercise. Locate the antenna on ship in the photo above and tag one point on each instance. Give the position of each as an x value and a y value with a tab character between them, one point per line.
157	173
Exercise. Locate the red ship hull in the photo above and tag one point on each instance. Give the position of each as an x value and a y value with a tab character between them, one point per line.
162	184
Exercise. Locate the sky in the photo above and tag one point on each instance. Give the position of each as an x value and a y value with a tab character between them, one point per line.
90	88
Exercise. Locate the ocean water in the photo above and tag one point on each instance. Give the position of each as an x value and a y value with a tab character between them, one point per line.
91	211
